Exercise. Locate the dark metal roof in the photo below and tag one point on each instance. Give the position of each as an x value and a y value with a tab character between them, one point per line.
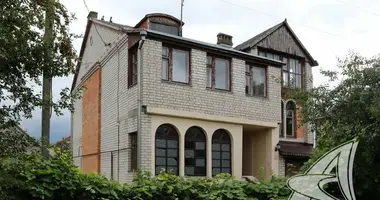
296	149
258	38
158	15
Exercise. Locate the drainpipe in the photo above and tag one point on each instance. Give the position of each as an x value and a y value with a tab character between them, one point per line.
139	104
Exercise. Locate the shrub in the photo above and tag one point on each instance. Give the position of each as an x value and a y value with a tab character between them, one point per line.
35	177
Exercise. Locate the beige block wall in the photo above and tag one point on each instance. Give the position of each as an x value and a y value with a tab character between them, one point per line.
182	124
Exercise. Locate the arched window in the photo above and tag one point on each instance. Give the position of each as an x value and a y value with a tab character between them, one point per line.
282	120
195	152
167	149
221	152
290	118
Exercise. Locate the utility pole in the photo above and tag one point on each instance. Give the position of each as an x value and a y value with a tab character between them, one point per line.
180	29
47	78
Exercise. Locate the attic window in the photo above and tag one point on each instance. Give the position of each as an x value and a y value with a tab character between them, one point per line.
164	28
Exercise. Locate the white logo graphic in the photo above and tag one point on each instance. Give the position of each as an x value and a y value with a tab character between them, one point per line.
310	185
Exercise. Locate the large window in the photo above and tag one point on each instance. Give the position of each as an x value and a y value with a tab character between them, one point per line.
291	71
255	80
221	152
166	149
218	73
132	69
164	28
175	65
195	152
290	118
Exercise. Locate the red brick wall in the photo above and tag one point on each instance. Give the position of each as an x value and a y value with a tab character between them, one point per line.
91	117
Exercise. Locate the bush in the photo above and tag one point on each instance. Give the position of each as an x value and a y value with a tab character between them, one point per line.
35	177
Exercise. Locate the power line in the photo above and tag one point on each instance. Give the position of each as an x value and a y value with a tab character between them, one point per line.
96	28
356	6
270	15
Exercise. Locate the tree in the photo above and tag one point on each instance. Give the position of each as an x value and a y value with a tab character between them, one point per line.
23	59
349	110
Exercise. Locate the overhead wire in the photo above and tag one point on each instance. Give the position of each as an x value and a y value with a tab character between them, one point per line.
96	28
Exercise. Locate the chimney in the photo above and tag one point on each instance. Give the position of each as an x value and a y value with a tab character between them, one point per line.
92	15
224	40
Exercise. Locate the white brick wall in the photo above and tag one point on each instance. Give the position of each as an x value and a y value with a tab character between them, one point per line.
196	97
77	132
281	165
109	120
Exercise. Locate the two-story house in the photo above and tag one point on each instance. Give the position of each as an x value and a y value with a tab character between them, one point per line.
153	100
280	43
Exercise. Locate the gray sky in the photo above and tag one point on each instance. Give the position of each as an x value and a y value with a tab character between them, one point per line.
327	28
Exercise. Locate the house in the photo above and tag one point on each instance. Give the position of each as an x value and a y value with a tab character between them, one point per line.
16	140
280	43
153	100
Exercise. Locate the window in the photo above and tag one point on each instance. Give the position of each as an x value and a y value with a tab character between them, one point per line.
175	65
132	69
282	120
133	150
291	74
166	149
221	152
290	118
255	80
218	73
195	152
164	28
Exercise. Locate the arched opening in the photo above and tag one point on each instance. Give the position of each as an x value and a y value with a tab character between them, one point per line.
221	152
167	148
290	118
195	152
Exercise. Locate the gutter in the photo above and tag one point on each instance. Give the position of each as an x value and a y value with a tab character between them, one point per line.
143	35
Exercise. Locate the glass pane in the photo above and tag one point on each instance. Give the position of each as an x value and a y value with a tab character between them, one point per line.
298	81
269	55
172	144
200	153
226	163
189	145
180	66
261	53
276	57
209	60
226	170
160	161
189	161
134	78
159	169
173	170
189	170
189	153
215	171
215	146
165	51
200	162
289	126
172	162
292	80
289	114
161	143
216	155
298	67
160	152
209	72
172	153
165	67
222	74
200	145
215	163
285	78
285	67
200	171
225	155
292	65
225	147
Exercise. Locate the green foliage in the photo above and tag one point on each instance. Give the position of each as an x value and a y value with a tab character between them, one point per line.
23	57
342	110
36	177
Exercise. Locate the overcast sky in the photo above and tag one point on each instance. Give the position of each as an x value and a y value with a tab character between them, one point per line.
327	28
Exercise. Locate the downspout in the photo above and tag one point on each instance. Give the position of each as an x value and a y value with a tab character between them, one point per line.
118	119
139	104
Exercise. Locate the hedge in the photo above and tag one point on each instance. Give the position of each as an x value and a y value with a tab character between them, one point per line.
35	177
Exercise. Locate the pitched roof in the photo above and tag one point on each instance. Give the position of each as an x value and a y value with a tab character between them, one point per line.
258	38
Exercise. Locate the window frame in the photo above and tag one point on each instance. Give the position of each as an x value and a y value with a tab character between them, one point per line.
172	138
164	26
195	157
293	118
248	74
133	151
132	51
220	150
212	66
170	68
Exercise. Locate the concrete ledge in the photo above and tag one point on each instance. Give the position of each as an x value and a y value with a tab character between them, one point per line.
202	116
